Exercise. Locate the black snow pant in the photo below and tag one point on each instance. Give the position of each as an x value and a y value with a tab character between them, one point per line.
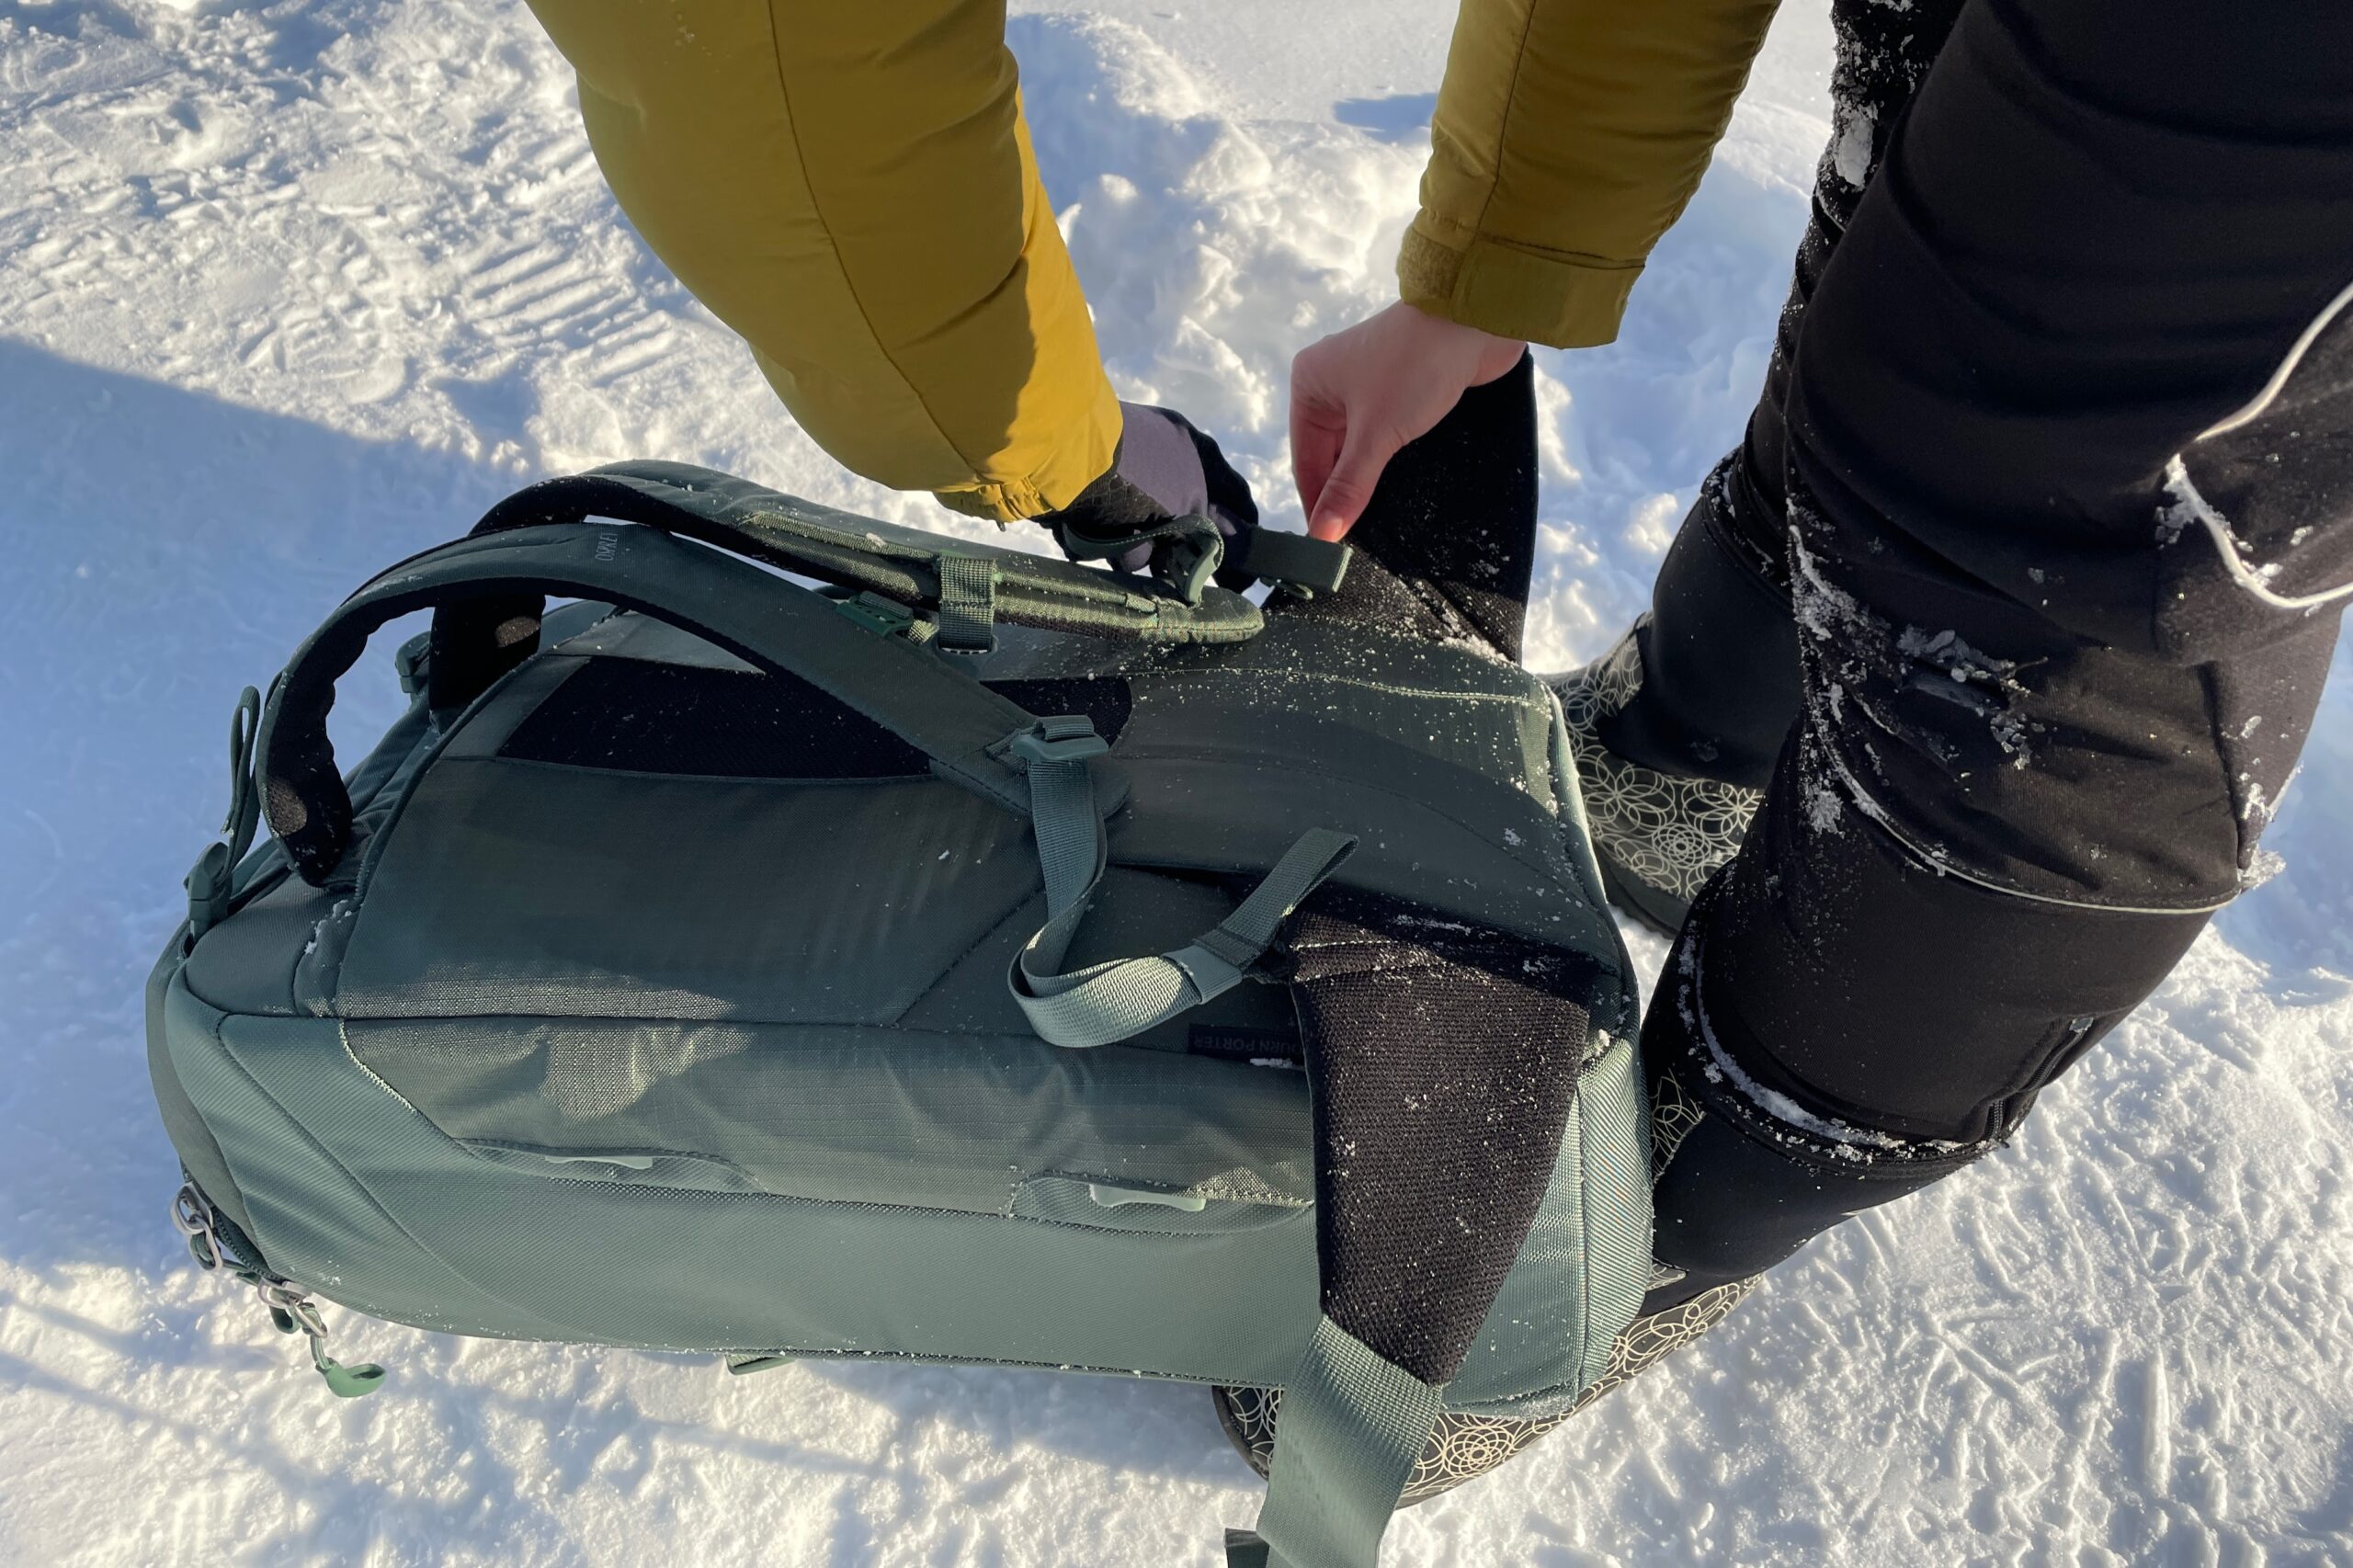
2017	598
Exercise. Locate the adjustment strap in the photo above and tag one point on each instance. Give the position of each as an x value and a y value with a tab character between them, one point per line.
1123	997
1353	1427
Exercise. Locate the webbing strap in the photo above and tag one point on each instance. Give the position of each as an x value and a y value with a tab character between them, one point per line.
1114	1000
1353	1427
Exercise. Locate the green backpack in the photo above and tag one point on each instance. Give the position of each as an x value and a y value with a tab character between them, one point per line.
980	957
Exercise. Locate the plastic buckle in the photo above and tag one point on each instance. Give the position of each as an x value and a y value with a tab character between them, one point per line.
884	618
1185	561
413	663
1068	737
207	883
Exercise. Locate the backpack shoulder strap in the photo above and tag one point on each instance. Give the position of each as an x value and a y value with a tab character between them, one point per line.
963	727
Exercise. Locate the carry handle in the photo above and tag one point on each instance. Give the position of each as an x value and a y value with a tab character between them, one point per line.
973	584
774	625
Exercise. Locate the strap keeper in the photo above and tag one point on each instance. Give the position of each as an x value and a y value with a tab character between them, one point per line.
1212	974
1067	737
967	604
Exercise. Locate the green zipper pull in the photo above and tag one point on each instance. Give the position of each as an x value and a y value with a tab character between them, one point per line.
289	1301
347	1382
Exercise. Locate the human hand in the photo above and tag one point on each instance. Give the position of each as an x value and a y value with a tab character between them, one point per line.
1164	467
1358	395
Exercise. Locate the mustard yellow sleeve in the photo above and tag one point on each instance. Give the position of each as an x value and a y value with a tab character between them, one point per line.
850	188
1568	136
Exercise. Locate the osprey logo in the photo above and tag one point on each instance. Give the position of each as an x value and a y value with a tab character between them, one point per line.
609	545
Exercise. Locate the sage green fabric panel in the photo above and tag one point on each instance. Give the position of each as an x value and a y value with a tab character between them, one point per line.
1535	1334
848	1115
183	1123
517	886
1488	856
1584	1268
246	963
1446	702
355	1195
314	1222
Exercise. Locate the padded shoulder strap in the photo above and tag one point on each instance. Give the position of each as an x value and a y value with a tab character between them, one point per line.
961	724
968	586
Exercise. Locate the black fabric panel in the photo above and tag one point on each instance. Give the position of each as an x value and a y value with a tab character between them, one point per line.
1446	549
1841	971
1443	1059
1106	703
2066	269
1235	1042
1884	52
656	718
651	717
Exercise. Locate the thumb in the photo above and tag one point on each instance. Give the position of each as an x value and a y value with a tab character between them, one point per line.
1364	454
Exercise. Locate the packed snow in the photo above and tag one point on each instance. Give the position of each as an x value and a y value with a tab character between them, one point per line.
290	289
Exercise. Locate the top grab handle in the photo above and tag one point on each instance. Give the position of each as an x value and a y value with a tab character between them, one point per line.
968	586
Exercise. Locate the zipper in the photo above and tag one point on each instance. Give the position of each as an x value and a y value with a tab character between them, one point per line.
217	1243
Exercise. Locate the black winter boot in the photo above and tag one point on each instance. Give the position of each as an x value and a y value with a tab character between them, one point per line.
1676	729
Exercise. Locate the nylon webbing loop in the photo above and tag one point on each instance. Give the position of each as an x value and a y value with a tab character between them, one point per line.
1115	1000
1353	1425
967	605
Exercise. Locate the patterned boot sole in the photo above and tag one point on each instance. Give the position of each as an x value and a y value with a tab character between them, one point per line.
1659	837
1464	1448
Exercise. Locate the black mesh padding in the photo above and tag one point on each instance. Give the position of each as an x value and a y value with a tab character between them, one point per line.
1448	545
683	719
628	713
1444	1062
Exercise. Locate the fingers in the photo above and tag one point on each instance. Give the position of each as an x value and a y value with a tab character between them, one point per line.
1317	431
1347	492
1337	451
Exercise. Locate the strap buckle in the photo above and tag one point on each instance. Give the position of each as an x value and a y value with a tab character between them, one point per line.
882	617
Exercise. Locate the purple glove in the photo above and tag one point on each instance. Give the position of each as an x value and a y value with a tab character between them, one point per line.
1164	468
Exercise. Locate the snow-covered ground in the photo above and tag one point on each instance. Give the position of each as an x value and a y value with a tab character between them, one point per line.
288	289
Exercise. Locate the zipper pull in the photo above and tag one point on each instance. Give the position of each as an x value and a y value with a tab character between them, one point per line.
292	1309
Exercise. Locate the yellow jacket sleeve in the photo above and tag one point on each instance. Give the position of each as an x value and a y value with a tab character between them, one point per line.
850	188
1568	136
